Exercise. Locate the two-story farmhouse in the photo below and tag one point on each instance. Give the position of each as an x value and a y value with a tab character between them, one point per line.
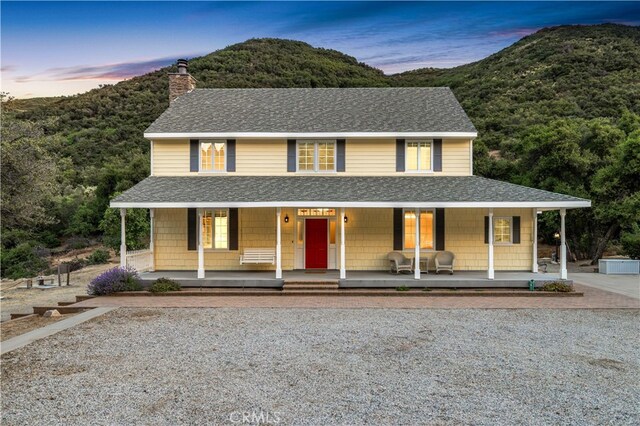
328	180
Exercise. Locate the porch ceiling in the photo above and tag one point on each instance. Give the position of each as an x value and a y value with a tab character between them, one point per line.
337	191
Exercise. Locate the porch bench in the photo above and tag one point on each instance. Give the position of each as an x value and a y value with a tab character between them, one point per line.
258	255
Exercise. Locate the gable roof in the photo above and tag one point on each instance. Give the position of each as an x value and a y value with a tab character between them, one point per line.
333	191
334	111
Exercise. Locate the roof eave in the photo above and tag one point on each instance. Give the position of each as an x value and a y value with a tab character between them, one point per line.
296	135
548	205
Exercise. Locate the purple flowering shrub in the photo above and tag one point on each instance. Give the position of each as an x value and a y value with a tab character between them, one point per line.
115	280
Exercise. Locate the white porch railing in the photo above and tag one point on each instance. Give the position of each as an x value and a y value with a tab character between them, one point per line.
140	260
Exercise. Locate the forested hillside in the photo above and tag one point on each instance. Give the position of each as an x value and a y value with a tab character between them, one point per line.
556	110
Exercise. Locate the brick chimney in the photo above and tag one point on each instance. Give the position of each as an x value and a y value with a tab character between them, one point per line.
180	82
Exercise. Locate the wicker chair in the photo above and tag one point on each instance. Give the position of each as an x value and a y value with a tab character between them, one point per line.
445	261
399	263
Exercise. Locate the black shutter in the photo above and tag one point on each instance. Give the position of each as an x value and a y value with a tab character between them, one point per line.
192	229
291	155
437	155
439	229
486	229
397	229
233	229
231	155
399	155
194	150
340	155
516	229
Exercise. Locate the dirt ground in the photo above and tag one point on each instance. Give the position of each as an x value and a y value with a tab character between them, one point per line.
9	329
21	300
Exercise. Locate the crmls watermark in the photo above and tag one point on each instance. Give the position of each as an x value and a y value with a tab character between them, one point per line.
255	417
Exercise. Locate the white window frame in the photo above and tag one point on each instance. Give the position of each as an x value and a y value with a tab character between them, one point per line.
212	141
316	156
508	218
433	242
213	230
406	147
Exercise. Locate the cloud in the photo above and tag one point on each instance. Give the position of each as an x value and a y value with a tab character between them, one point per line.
115	72
7	68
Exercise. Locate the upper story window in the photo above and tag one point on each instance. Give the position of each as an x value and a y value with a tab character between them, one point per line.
316	156
213	156
502	230
426	229
418	156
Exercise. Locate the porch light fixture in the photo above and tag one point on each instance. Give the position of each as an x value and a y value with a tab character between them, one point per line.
286	218
346	219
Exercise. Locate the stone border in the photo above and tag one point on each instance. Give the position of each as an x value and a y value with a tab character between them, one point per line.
40	333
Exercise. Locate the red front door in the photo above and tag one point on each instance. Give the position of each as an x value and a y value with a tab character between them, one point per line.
315	250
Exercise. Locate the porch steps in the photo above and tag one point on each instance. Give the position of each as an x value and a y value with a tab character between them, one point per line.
309	286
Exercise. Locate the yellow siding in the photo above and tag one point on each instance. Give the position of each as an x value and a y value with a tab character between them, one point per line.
456	157
369	238
261	156
256	230
170	158
269	157
370	157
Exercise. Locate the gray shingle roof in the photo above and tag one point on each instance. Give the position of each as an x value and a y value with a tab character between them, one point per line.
405	109
344	189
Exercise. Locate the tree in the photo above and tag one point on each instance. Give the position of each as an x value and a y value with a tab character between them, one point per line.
137	229
617	190
28	174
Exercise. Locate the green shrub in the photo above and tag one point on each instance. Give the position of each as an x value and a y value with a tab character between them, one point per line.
402	288
76	243
76	264
22	261
631	242
557	286
98	257
163	285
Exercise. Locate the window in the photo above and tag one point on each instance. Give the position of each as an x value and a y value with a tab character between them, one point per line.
418	156
316	156
426	229
316	212
212	156
215	229
502	230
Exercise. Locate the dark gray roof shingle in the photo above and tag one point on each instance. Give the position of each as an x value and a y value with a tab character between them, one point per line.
406	109
401	189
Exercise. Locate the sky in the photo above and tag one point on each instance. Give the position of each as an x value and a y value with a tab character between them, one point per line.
64	48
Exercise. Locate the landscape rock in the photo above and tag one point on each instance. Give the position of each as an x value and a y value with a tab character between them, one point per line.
52	313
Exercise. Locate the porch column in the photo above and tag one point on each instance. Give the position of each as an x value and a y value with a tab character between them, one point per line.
123	238
278	245
534	233
490	271
152	214
343	266
200	246
563	246
416	256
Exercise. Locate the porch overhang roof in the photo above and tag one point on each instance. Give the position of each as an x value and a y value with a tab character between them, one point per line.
338	191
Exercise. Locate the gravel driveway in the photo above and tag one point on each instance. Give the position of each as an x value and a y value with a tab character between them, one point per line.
324	366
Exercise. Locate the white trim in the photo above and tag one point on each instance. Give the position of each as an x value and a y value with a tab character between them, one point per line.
552	205
406	143
534	237
278	244
343	257
123	238
490	268
152	238
327	135
200	245
416	249
563	246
